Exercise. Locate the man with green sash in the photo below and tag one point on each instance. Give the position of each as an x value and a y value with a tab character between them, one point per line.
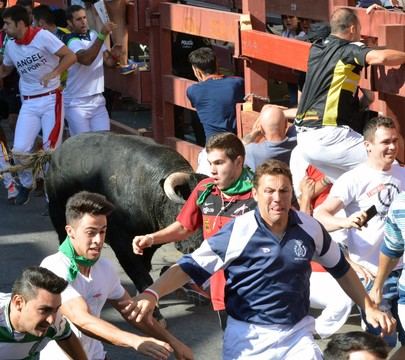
29	317
93	281
214	201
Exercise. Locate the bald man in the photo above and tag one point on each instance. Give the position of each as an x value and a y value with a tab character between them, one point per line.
271	138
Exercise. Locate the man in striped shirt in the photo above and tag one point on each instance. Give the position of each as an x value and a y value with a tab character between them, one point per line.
266	256
391	252
29	317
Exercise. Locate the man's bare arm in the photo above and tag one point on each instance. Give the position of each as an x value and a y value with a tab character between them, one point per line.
77	311
325	214
387	57
86	57
154	329
172	233
67	59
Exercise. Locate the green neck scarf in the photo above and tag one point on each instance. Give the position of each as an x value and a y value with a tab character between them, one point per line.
241	185
67	248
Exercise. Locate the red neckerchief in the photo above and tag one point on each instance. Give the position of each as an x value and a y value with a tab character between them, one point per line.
29	35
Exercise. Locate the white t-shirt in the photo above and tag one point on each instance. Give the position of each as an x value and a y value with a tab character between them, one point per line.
84	80
102	284
359	189
34	61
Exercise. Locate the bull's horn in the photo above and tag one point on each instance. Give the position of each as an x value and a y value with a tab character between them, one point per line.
173	180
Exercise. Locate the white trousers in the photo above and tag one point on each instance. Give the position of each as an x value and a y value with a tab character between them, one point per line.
277	342
326	294
85	114
4	164
333	150
35	114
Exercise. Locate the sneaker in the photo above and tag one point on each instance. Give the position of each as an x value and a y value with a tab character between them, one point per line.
193	294
129	68
12	192
23	195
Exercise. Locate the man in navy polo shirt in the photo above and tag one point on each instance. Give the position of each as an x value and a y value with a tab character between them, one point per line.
214	97
266	256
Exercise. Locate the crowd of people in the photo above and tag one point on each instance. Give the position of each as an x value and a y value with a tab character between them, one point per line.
293	216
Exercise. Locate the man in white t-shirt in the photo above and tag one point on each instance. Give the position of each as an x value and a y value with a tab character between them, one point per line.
84	101
29	317
92	282
39	58
374	183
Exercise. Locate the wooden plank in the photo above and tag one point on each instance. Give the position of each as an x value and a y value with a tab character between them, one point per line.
188	150
136	85
275	49
62	4
370	24
214	24
311	9
174	90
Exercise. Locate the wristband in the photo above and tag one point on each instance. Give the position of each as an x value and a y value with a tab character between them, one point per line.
101	36
153	293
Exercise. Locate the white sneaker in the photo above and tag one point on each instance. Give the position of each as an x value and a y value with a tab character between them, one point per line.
12	191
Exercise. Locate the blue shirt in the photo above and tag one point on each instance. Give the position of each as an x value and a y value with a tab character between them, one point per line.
267	279
215	100
258	153
394	237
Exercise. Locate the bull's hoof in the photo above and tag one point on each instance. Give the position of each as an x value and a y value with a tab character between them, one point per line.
160	318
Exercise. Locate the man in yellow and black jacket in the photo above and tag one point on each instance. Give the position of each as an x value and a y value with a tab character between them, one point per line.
329	108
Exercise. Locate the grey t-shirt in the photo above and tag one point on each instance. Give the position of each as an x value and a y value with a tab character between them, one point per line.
257	154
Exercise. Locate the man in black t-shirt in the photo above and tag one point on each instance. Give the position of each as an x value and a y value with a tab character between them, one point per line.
328	108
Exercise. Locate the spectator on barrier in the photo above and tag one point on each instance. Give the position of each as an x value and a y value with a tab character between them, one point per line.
366	193
328	106
270	138
356	345
265	254
30	318
117	12
214	97
382	4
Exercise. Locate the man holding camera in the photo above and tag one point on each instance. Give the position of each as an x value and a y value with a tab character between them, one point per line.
366	193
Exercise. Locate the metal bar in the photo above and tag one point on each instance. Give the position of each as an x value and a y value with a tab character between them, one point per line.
213	24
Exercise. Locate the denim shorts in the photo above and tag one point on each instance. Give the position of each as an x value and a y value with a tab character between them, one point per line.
390	304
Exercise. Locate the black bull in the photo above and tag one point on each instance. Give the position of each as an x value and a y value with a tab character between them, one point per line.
145	181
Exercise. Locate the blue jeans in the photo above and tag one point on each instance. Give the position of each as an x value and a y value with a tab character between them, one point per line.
389	303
